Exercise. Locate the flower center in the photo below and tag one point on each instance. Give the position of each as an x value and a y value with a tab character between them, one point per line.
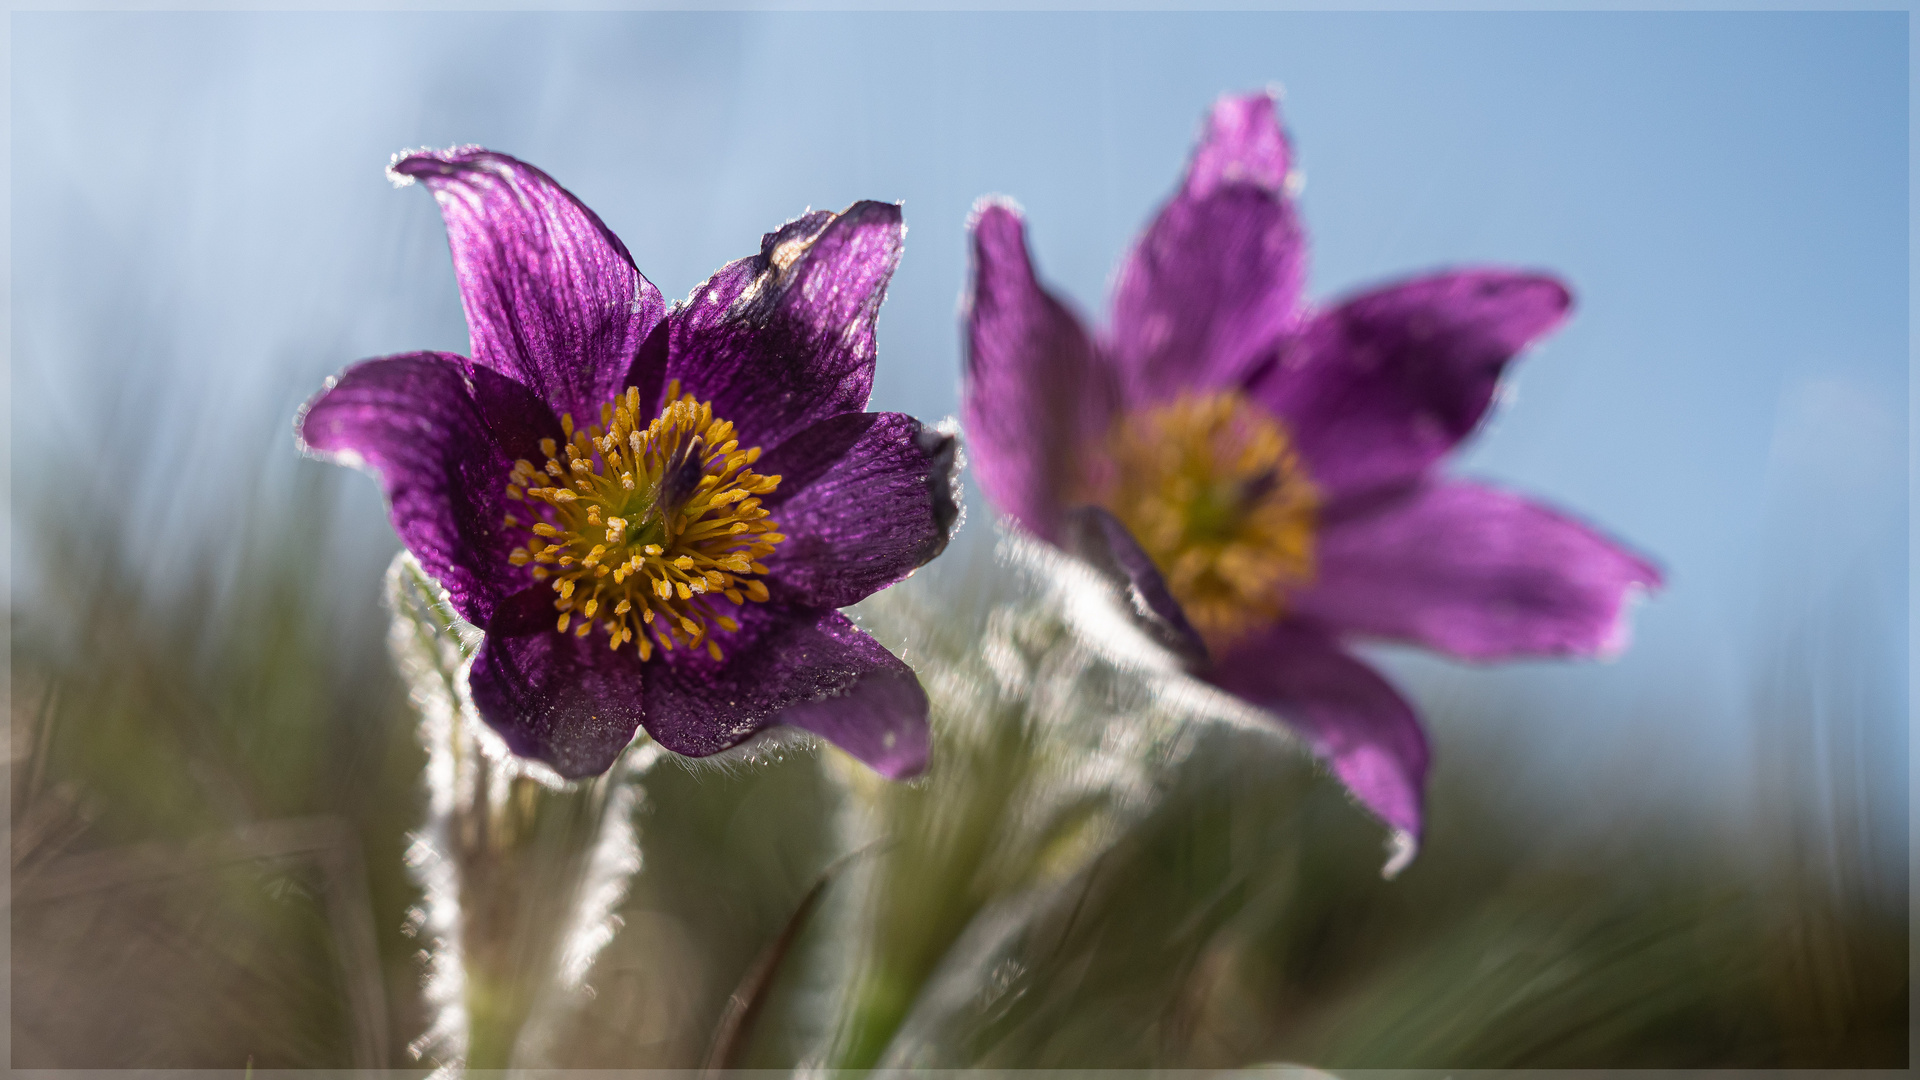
644	529
1211	487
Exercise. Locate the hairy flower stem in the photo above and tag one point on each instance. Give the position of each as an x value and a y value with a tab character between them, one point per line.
521	852
1048	753
520	871
924	895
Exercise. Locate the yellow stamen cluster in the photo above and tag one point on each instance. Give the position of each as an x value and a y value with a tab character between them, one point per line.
1211	487
645	529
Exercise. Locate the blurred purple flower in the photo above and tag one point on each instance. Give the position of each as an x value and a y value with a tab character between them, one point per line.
1263	473
591	487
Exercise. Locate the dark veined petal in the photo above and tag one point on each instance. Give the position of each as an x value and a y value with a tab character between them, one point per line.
1100	540
1378	387
568	701
1034	394
441	433
552	297
864	499
1349	714
882	721
1475	572
785	338
804	666
1216	279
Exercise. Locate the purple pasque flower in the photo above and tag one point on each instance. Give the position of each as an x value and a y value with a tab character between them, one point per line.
1264	473
654	514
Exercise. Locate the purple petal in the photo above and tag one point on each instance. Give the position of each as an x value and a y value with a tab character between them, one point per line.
442	434
1034	394
1376	389
1243	144
1099	539
785	338
568	701
553	299
1474	572
808	667
1346	711
1216	279
864	498
882	720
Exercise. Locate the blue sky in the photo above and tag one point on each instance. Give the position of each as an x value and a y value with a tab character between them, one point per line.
201	224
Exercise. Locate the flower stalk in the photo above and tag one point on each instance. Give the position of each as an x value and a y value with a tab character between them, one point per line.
521	871
1058	730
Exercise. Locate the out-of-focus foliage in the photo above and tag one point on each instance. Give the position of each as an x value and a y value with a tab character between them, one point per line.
153	719
1081	881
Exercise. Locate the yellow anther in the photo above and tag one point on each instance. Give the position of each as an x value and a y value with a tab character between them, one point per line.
657	541
1214	491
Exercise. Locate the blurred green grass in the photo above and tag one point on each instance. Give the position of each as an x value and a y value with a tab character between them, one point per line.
1238	916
